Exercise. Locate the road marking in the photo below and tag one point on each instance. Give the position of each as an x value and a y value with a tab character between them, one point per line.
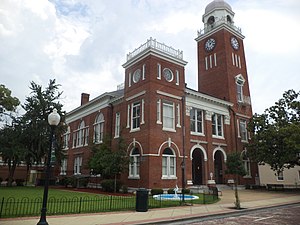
264	218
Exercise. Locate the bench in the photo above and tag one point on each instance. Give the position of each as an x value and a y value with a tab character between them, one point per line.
276	187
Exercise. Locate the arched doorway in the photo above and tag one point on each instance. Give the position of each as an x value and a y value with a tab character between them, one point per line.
218	159
197	167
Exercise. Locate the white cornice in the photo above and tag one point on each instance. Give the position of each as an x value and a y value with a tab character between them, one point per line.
207	97
168	95
156	53
223	26
136	95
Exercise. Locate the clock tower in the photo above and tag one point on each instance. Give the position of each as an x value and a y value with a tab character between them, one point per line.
222	70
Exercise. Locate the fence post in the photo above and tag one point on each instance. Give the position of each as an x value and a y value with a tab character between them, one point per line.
79	210
2	202
110	203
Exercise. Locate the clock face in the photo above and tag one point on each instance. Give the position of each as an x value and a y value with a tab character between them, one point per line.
234	43
168	75
136	75
210	44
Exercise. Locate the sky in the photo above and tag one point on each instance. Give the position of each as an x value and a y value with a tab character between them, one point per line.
83	43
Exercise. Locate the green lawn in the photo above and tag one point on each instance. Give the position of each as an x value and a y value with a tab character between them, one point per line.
27	201
37	192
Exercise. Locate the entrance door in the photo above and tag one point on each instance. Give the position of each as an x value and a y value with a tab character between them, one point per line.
197	167
218	167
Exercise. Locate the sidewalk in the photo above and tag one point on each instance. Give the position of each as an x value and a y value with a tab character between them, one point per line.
250	199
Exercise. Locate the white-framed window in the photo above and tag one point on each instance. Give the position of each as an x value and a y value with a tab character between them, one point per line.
77	165
217	125
135	115
117	125
158	71
168	116
243	130
66	139
280	176
158	115
196	120
128	116
239	80
144	72
177	77
129	79
99	128
134	164
81	135
168	164
247	164
63	167
178	116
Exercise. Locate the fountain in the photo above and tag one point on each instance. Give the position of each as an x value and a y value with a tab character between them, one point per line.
175	196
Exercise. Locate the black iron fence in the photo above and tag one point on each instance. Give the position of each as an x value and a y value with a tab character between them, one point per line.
12	207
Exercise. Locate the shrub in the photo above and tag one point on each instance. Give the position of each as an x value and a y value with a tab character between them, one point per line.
70	181
63	181
83	182
186	191
157	191
171	191
108	185
20	182
124	189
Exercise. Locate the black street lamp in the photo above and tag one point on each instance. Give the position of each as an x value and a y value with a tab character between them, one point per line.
53	120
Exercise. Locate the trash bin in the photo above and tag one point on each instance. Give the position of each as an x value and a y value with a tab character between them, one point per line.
141	203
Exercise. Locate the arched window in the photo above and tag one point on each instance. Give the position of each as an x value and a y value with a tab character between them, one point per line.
211	20
134	164
240	80
80	134
98	128
66	139
229	20
168	164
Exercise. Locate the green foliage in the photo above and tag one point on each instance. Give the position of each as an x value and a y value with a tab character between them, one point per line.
171	191
107	162
109	185
235	167
7	102
13	150
124	189
38	105
276	139
235	164
157	191
186	191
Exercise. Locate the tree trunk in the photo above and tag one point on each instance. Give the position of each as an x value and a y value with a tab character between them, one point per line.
236	193
115	185
11	172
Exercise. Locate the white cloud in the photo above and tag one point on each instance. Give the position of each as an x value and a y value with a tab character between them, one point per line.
83	44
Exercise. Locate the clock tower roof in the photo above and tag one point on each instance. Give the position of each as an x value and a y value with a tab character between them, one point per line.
217	4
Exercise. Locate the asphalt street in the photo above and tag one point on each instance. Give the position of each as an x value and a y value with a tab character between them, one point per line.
280	215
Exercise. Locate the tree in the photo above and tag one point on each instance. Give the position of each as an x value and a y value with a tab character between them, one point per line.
38	105
13	151
276	139
235	167
107	162
7	102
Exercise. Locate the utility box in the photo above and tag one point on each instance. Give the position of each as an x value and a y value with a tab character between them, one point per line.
141	203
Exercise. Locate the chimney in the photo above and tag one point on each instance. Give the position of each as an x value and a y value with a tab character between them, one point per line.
85	98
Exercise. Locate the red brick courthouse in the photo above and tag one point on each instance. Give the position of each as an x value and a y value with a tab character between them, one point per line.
163	121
